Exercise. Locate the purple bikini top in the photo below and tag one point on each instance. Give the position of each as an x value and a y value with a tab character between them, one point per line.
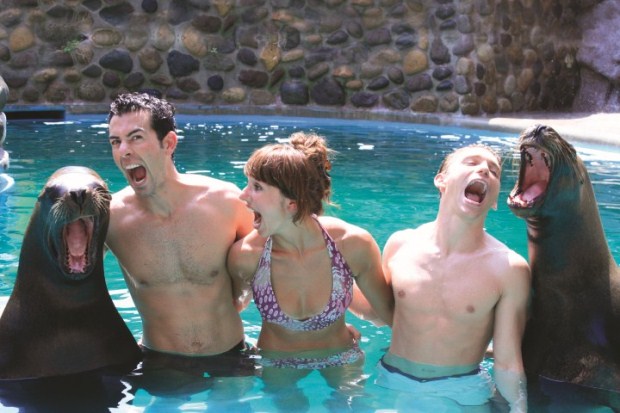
339	301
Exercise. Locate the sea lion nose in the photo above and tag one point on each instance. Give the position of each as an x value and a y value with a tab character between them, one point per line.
78	196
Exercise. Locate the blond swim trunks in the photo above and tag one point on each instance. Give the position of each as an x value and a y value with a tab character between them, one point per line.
469	389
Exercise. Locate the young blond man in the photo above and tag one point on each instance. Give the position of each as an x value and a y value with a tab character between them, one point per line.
456	288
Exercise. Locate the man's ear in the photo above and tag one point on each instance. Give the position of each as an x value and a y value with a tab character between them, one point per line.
439	182
170	141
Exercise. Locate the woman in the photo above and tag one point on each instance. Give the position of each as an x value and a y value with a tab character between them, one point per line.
299	266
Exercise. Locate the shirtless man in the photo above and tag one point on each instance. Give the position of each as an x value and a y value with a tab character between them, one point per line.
170	233
456	287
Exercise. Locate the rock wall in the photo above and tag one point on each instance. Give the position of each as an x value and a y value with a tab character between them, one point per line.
471	57
599	59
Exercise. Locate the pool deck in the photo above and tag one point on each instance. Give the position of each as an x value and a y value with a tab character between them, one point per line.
601	128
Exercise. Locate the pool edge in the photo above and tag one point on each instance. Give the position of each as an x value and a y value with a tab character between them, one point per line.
601	128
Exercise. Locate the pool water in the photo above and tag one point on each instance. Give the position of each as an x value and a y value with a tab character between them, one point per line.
382	180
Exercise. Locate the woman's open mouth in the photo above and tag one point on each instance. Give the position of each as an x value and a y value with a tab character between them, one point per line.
258	218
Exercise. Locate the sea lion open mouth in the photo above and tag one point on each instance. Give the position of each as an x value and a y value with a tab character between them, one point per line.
476	191
534	175
77	236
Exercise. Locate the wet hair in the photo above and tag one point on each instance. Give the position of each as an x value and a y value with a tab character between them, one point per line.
448	159
162	112
299	169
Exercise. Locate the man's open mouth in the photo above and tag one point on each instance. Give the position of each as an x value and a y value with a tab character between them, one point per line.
476	191
137	173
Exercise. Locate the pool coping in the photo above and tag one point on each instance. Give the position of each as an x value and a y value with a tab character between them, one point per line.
600	128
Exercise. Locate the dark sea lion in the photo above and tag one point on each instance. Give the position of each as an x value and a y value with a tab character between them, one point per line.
60	319
573	334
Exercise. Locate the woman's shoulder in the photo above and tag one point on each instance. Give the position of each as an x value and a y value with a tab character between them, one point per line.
351	239
339	228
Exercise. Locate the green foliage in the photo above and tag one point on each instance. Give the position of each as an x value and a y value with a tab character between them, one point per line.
70	46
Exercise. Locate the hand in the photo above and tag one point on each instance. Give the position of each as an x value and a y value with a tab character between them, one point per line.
354	332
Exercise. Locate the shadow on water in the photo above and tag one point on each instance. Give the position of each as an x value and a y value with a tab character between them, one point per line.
79	393
549	396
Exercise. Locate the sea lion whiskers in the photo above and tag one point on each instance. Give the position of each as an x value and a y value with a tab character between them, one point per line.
64	210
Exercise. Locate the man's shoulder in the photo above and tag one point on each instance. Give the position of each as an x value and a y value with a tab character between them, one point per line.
508	263
207	182
402	240
409	234
496	246
211	188
122	198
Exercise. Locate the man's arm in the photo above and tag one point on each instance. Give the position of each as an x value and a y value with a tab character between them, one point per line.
241	280
510	318
363	309
360	306
373	299
244	218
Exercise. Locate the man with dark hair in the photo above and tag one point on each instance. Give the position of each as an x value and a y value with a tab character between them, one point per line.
170	233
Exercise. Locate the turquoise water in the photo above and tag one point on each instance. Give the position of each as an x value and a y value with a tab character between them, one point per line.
383	181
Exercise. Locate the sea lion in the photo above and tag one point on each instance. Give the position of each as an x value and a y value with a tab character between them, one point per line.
60	319
573	333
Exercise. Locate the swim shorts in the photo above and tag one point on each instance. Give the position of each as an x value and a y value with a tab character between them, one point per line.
470	389
238	361
167	374
311	359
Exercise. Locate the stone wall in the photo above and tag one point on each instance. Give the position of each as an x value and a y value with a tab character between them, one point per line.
599	58
471	57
